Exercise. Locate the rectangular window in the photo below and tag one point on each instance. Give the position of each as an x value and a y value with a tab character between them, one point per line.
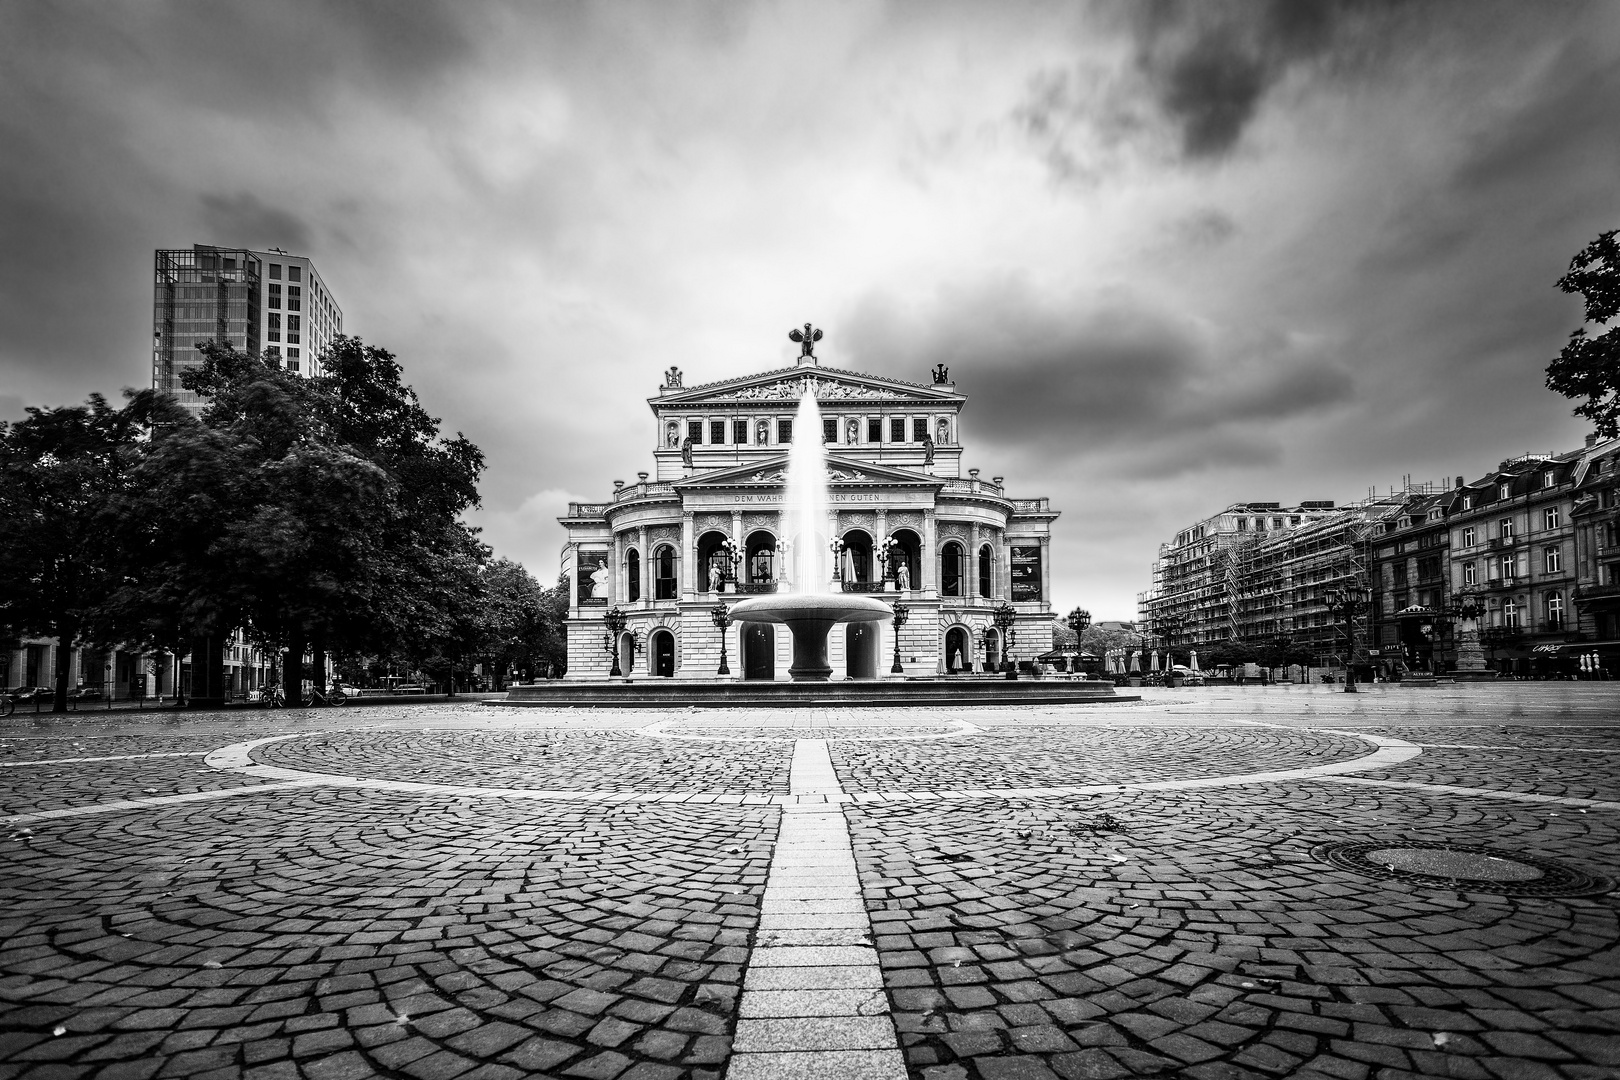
292	354
1469	577
295	273
1468	502
1549	518
739	432
1549	479
784	431
274	329
1553	560
694	431
1506	564
275	271
717	431
1468	537
874	430
897	429
1510	614
1400	573
275	296
294	323
829	429
919	429
1505	529
1504	491
294	298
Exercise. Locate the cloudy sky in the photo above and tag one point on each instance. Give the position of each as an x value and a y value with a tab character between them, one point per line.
1177	255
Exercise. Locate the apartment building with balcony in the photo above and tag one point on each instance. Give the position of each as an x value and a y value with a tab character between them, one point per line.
1513	543
1408	564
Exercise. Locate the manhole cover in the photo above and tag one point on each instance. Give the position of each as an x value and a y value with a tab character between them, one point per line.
1462	868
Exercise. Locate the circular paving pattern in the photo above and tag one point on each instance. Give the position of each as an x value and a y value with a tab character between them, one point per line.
1462	869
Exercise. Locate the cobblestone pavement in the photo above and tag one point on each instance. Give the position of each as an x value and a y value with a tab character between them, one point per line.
188	920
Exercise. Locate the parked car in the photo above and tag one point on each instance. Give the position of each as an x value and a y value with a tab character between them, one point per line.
86	693
27	694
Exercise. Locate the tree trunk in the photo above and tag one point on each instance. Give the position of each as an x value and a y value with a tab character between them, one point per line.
293	678
317	667
66	631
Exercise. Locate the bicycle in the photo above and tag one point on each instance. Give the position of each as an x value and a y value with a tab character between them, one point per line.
334	698
271	697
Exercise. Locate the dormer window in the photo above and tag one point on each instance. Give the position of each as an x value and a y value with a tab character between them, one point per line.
1549	478
1468	502
1504	491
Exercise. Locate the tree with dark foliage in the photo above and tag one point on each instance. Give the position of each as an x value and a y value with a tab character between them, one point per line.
63	473
1589	367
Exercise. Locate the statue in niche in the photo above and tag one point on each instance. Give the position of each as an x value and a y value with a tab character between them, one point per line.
852	431
944	432
686	452
902	577
762	432
715	575
672	435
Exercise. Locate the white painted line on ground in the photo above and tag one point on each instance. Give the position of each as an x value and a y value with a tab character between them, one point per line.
813	1005
109	757
156	800
1478	792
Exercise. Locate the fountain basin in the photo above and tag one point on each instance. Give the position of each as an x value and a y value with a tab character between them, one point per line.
811	616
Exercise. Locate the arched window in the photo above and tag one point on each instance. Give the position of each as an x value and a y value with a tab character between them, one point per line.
986	572
950	570
712	567
664	587
632	573
761	553
1555	611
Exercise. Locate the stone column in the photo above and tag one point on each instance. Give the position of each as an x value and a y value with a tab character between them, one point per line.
573	581
618	589
688	557
644	570
1046	569
1006	568
971	572
930	566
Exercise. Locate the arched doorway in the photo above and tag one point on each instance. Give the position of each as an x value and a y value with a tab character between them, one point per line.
857	566
664	584
950	569
759	650
958	651
909	554
860	650
711	567
627	652
760	549
663	654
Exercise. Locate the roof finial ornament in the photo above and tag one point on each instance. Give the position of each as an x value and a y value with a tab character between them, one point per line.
807	339
942	374
672	378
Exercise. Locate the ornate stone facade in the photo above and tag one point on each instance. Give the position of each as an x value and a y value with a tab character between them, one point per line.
894	472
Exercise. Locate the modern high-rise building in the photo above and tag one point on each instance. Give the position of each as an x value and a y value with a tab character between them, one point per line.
265	302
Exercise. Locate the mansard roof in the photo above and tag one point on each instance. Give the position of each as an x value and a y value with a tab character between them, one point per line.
772	472
788	385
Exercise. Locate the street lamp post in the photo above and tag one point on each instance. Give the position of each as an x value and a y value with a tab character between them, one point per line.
1348	604
720	615
1006	615
901	614
1078	620
616	621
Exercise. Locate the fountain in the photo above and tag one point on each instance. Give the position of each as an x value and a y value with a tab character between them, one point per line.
811	609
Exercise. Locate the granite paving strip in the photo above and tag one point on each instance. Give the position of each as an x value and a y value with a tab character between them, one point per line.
156	801
1480	792
110	757
813	1004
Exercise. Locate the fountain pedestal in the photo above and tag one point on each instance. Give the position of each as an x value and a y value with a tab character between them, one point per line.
811	617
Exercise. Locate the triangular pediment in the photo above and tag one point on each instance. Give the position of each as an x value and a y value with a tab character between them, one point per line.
828	384
841	472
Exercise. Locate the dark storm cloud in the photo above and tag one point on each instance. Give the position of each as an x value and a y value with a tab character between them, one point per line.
255	224
1087	375
1205	70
